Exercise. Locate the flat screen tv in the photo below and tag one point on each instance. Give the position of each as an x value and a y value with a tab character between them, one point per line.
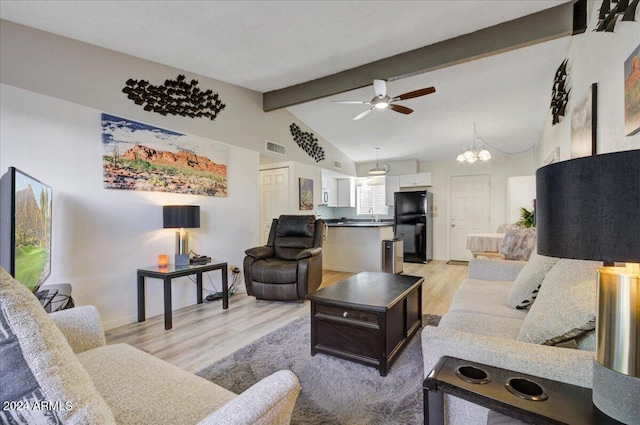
25	228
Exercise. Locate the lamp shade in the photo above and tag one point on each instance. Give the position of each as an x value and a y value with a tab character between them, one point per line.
178	216
589	208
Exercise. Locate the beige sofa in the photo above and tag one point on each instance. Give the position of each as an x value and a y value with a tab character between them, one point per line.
549	336
57	369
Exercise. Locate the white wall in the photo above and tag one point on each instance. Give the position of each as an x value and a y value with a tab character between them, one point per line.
53	92
596	57
94	77
499	168
101	236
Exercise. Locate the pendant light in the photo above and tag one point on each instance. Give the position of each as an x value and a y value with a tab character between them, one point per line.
379	169
475	151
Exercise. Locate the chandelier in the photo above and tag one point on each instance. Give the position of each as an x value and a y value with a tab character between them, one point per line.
379	169
475	151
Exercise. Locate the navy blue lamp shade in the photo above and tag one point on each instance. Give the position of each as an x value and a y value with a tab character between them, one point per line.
589	208
181	216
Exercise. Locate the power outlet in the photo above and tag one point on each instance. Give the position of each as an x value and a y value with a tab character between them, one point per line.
234	269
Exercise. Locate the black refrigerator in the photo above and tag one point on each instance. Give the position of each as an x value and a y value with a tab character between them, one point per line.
413	223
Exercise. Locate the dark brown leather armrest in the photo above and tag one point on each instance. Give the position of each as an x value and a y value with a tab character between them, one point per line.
309	252
260	252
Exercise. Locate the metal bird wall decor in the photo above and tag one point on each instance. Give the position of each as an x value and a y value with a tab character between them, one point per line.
560	93
307	142
175	97
608	15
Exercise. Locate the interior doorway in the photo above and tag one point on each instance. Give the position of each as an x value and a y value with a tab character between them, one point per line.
274	198
470	209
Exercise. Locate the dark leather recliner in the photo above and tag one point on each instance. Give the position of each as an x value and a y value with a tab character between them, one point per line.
290	265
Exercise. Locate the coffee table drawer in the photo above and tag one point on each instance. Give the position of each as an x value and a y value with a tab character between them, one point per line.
348	341
346	313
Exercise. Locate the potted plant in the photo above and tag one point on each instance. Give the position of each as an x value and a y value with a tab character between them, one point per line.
527	218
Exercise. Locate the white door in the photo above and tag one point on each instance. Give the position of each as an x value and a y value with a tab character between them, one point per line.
470	197
274	198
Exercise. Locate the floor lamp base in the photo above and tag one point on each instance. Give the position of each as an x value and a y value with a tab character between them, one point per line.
616	394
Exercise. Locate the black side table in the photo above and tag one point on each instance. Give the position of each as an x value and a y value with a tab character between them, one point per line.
173	271
528	398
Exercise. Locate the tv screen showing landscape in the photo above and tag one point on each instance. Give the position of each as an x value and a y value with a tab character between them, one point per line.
27	239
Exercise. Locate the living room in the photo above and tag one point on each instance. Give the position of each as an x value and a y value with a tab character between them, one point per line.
54	90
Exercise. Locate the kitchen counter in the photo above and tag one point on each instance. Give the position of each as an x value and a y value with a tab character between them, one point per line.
360	224
355	246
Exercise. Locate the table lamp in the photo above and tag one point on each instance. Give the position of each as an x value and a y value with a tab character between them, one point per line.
589	208
182	217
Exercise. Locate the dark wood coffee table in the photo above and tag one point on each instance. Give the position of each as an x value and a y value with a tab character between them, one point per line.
367	318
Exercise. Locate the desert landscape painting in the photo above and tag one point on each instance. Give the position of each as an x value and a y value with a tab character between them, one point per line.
138	156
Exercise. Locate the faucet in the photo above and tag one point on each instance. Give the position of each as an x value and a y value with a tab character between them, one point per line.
374	217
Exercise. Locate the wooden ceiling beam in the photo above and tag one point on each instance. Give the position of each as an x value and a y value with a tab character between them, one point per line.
560	21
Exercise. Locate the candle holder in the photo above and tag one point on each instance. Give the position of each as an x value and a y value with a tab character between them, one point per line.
163	261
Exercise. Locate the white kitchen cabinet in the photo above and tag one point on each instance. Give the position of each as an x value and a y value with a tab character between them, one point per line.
330	193
392	185
346	192
418	179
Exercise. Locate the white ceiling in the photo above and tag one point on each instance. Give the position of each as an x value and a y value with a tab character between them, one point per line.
267	45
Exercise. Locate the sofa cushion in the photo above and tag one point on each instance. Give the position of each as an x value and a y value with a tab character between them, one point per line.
142	389
566	304
483	324
484	297
38	365
274	270
525	288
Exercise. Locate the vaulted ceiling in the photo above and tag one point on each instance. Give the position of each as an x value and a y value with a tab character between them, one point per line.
271	45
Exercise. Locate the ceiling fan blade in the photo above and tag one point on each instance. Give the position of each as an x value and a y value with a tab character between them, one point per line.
365	113
415	93
352	102
401	109
380	87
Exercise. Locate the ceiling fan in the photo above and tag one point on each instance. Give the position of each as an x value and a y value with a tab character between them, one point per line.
382	101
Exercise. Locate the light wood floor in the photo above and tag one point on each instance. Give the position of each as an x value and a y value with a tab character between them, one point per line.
203	334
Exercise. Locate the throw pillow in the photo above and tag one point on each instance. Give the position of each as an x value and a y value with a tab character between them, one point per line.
518	244
525	288
42	380
566	304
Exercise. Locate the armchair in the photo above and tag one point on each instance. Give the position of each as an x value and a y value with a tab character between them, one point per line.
289	266
61	360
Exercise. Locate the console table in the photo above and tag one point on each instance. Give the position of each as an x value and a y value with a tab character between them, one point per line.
173	271
528	398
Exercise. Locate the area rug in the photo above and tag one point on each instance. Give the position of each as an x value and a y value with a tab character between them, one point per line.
457	263
333	391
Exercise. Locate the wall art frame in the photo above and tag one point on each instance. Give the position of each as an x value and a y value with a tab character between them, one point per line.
139	156
632	93
306	194
584	124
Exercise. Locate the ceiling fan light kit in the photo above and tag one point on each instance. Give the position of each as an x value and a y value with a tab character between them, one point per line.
476	151
382	101
379	169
